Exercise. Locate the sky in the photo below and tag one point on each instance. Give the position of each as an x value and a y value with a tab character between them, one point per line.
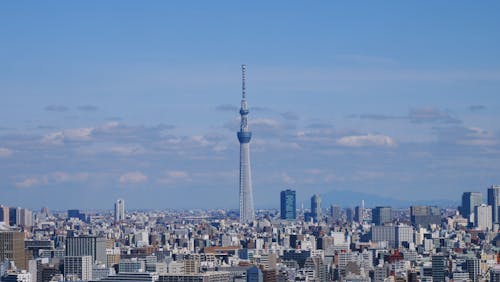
139	100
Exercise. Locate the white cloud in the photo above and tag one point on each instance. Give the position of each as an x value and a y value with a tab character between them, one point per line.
175	177
75	134
288	179
5	152
128	150
179	174
476	136
366	140
268	122
52	178
29	182
133	177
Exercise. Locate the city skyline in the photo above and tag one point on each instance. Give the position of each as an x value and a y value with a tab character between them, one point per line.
138	102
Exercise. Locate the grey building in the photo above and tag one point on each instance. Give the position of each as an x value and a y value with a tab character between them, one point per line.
381	215
494	202
425	215
87	246
316	207
209	276
470	200
78	268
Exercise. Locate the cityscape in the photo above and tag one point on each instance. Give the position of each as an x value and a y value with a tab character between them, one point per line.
369	146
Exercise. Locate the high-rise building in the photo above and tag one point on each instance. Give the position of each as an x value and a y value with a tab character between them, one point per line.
78	268
357	214
438	268
288	204
483	217
4	215
244	135
470	200
87	246
381	215
25	217
316	207
12	248
494	202
425	215
119	210
14	214
335	213
349	213
394	235
473	269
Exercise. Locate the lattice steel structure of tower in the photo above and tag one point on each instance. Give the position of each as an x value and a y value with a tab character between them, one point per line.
247	213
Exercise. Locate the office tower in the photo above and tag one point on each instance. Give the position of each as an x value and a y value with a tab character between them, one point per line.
14	216
87	246
483	217
394	235
335	213
438	268
78	268
358	214
316	207
244	135
25	218
45	212
381	215
12	248
362	212
494	202
119	210
288	204
4	215
473	269
469	201
425	215
349	213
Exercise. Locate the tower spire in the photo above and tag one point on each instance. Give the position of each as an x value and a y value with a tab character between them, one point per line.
243	79
244	135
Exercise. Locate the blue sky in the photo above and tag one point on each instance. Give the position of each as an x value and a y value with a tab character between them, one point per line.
139	100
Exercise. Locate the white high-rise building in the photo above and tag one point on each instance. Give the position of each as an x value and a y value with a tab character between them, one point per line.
244	135
77	268
119	210
483	217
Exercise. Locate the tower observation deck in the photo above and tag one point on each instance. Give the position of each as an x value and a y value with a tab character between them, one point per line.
247	213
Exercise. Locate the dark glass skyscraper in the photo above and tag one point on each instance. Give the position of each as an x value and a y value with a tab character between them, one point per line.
316	207
381	215
470	200
288	204
494	202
